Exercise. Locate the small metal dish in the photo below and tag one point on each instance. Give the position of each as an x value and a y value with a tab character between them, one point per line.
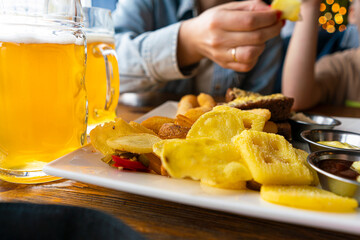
330	182
312	137
322	122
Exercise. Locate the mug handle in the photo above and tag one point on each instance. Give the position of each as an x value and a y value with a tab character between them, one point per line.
106	51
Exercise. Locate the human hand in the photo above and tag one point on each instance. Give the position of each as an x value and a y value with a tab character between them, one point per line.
233	35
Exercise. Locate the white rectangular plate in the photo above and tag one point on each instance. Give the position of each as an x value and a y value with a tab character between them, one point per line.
85	165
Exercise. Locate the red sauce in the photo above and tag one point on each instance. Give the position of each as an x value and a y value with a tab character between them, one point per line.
339	168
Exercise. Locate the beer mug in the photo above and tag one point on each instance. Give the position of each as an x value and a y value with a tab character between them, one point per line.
43	106
102	73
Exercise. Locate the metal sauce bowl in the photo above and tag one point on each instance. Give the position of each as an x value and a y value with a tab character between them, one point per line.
338	185
322	122
312	137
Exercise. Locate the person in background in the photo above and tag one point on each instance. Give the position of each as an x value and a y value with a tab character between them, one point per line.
192	46
334	79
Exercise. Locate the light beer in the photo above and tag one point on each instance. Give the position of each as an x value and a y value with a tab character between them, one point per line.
42	103
96	80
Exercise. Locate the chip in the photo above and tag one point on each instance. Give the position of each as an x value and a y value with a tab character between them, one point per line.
302	156
290	8
141	128
251	120
134	143
101	133
308	197
212	162
271	159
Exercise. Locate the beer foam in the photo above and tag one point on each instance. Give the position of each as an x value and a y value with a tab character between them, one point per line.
96	37
34	36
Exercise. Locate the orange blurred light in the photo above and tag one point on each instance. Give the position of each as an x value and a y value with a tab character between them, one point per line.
328	15
342	11
329	2
331	22
322	20
322	7
339	18
335	8
330	29
342	28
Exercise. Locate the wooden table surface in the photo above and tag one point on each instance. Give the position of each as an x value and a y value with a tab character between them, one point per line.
158	219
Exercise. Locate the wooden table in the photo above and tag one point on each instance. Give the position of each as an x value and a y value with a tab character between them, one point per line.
158	219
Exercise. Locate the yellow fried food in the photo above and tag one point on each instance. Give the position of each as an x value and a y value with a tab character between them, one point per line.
308	197
250	119
290	8
187	102
134	143
220	125
205	100
302	155
270	127
159	146
271	159
183	121
155	123
141	128
355	166
101	133
212	162
195	113
171	130
262	112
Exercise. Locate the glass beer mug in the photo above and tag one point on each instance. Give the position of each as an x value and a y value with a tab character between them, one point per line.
43	106
102	74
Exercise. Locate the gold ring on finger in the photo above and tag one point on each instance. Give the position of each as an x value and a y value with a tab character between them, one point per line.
233	54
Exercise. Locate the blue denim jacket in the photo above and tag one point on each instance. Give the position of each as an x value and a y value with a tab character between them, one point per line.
146	40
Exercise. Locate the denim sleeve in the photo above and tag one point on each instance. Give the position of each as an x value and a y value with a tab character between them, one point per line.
263	76
147	57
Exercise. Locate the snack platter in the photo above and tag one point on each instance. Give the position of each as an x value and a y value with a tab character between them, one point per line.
85	165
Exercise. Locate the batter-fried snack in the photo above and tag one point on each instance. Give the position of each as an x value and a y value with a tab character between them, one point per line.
262	112
205	100
171	130
183	121
195	113
155	123
270	127
290	9
141	128
233	93
187	102
278	104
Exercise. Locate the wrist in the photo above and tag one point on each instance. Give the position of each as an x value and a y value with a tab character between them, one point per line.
187	50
